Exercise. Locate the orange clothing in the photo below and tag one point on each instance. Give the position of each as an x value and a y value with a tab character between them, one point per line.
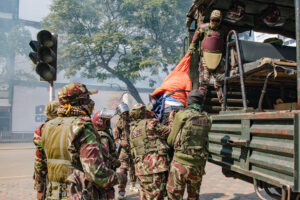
178	79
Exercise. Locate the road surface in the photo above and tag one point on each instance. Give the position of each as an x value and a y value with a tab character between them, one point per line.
16	183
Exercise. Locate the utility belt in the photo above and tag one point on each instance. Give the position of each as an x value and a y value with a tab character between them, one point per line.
56	190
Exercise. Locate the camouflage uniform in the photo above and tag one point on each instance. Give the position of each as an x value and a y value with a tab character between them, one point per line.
151	153
40	164
212	36
110	156
121	132
189	139
71	150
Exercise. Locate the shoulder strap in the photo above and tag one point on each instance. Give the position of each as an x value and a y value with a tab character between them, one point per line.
176	91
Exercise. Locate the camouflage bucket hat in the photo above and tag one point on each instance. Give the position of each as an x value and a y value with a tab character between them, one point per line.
73	93
138	111
216	14
195	97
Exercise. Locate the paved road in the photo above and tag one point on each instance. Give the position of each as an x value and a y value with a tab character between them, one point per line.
16	170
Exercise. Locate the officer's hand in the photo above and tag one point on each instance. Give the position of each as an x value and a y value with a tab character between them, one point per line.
124	144
191	50
188	22
171	116
39	196
122	179
116	163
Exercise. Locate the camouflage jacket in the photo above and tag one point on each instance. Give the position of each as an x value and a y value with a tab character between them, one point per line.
174	138
108	148
153	163
40	164
121	132
88	173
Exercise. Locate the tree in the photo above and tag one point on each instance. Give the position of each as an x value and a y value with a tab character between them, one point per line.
14	41
125	39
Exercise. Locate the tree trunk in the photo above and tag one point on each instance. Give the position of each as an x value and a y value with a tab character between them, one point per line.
131	88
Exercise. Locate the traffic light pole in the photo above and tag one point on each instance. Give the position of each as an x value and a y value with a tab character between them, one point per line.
52	91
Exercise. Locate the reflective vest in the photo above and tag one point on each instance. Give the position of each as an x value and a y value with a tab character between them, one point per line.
55	145
141	144
193	137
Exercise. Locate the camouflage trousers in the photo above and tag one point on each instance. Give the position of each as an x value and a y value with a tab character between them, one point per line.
204	79
57	191
81	189
152	187
181	175
126	164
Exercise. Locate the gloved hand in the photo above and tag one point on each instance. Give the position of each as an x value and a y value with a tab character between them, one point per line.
124	143
171	116
116	163
192	50
188	22
122	179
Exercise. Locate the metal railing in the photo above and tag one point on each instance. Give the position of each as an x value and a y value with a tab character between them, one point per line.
234	43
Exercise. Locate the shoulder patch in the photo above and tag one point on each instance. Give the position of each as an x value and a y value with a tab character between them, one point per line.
199	121
136	133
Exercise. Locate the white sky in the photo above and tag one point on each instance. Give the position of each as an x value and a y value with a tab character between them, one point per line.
34	10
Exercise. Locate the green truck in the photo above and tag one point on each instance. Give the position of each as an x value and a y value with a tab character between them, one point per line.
255	134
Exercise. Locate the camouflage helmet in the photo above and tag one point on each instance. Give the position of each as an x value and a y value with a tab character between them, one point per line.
216	14
195	97
122	108
73	94
138	111
101	119
215	19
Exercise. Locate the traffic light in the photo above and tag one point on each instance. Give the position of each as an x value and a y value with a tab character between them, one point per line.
45	55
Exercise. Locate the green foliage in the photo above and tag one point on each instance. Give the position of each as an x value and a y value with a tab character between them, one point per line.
119	38
16	40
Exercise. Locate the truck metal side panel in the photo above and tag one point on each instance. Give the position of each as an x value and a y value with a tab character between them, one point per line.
259	145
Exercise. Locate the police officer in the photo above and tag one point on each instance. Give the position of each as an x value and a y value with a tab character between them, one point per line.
189	138
212	35
151	152
70	152
40	165
121	132
101	122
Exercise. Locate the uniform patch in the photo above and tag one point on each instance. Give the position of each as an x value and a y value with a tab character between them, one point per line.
200	121
136	133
